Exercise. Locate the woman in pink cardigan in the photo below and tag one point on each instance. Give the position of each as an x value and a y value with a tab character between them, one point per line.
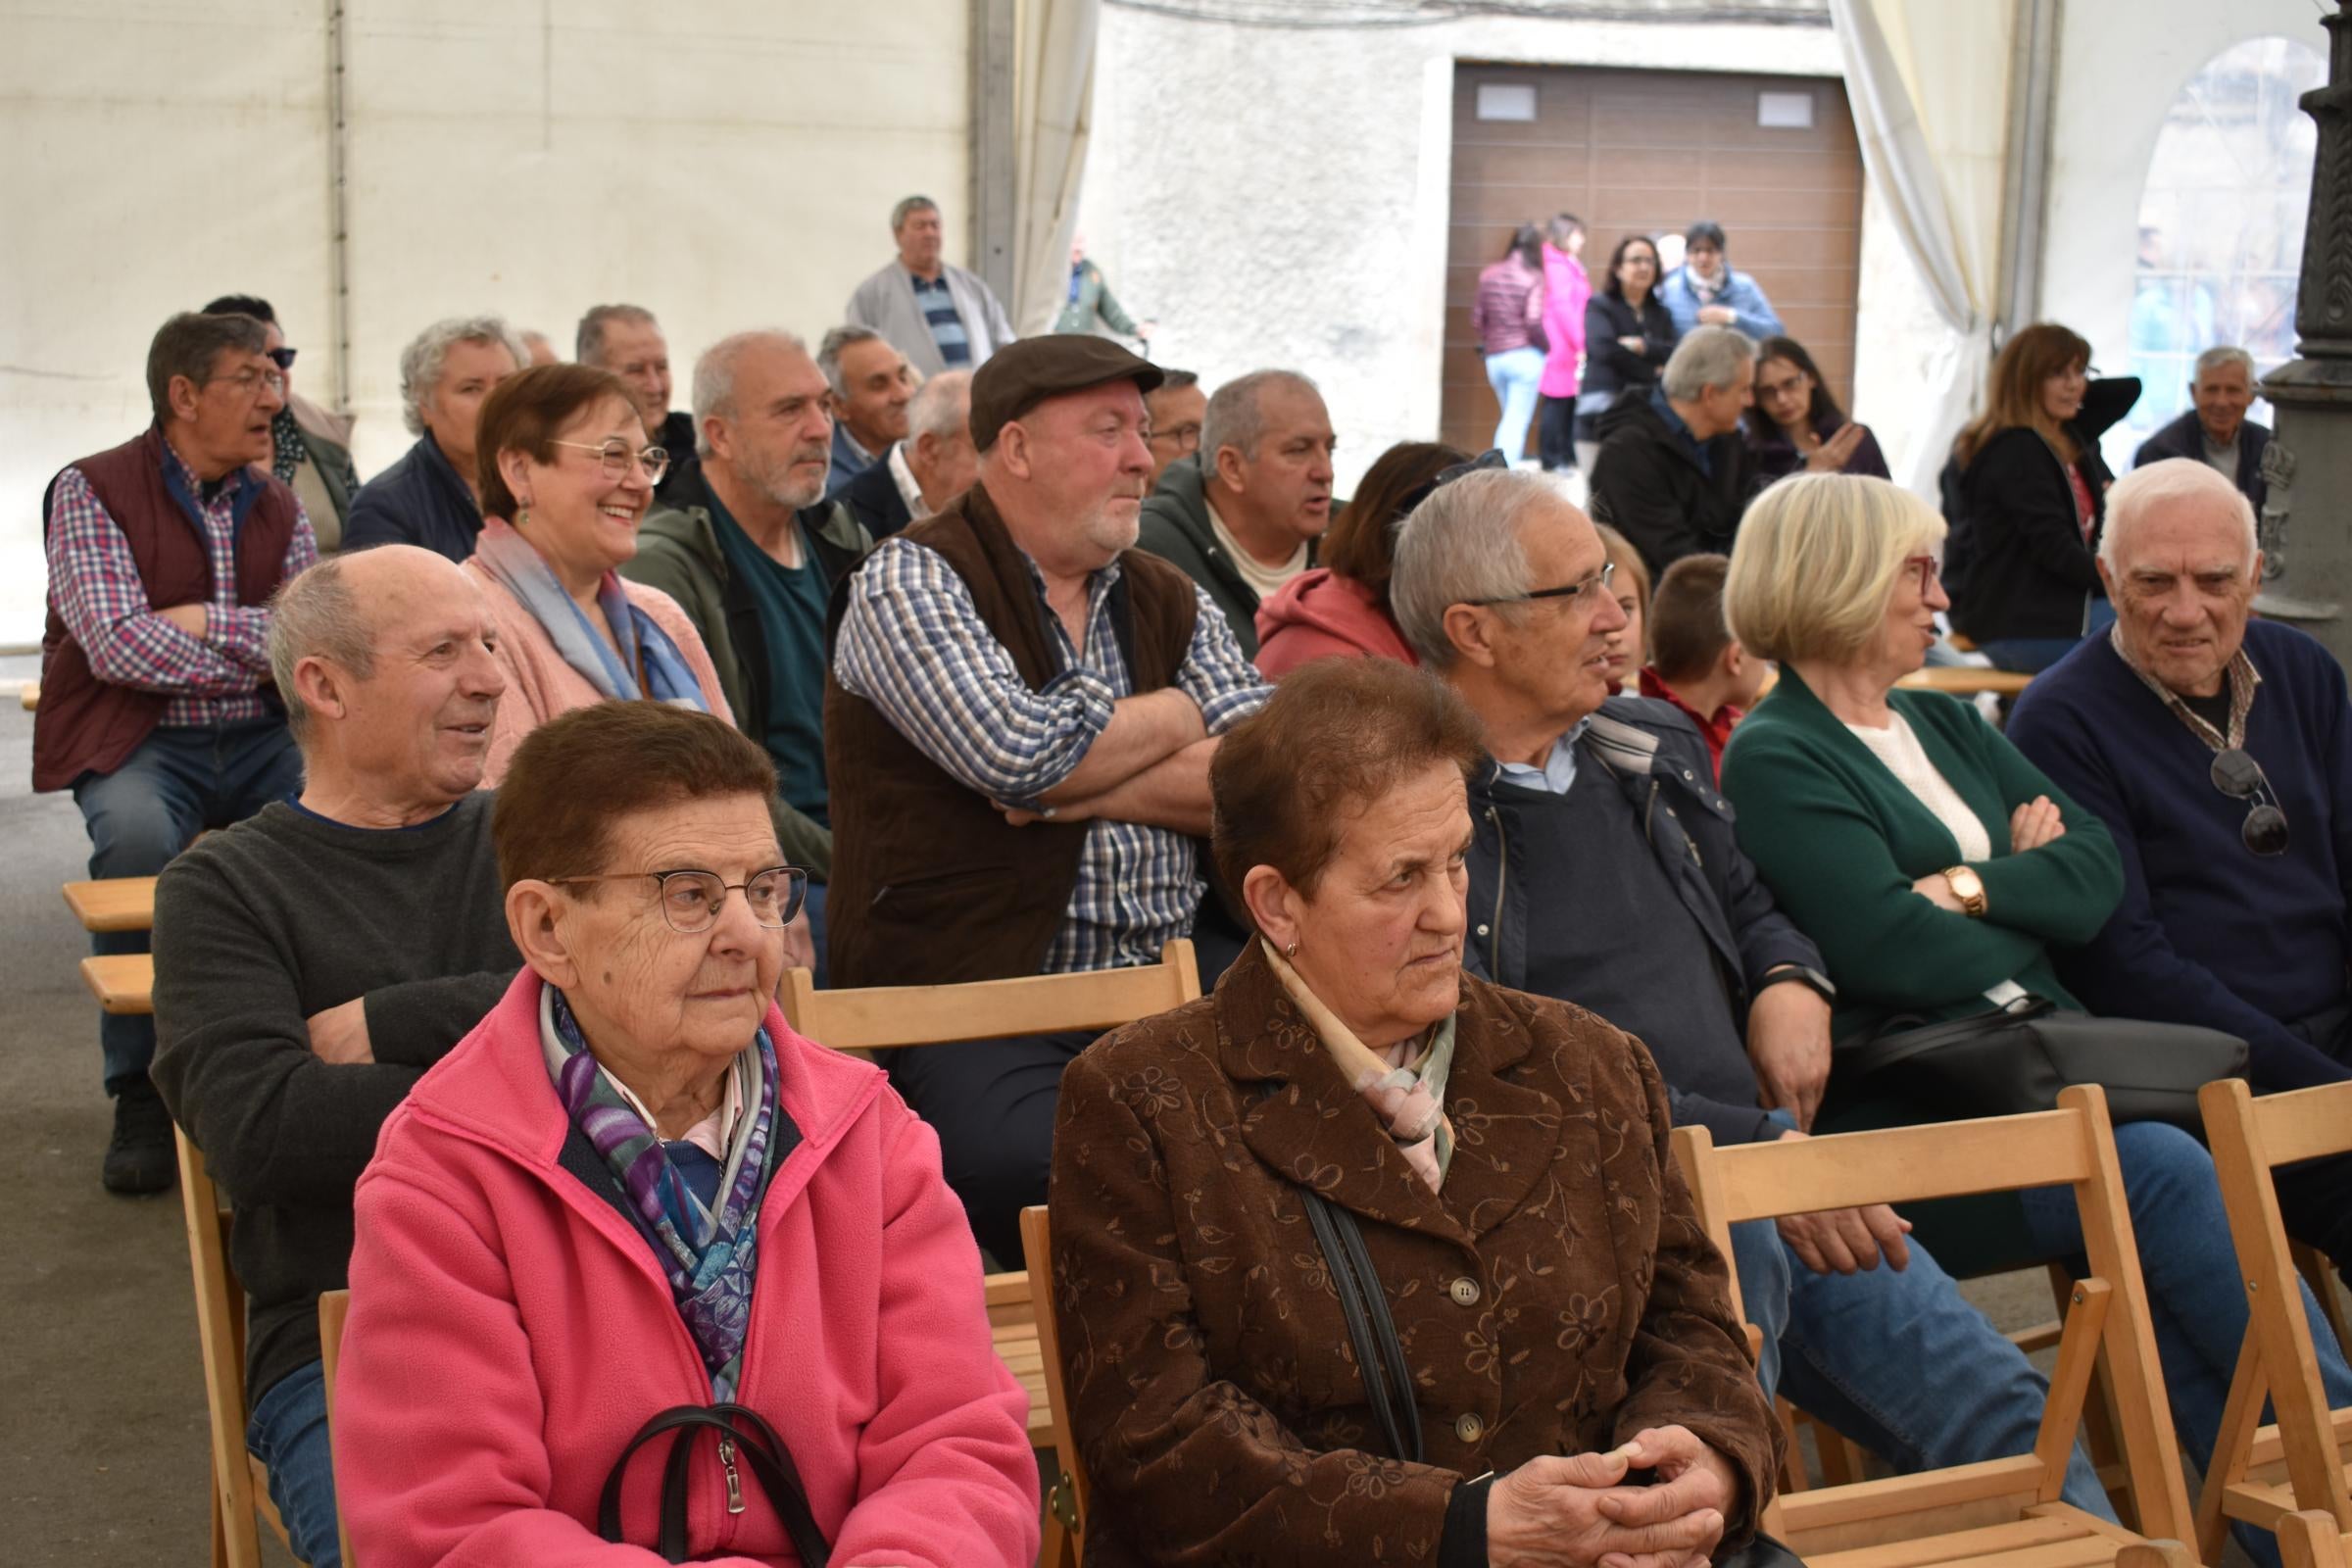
1566	290
639	1269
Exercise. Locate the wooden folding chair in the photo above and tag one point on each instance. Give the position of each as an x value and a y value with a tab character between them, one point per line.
333	1307
1066	1499
240	1483
2311	1539
2006	1512
2261	1474
901	1017
112	903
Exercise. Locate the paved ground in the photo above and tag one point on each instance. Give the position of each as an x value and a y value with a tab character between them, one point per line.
101	1424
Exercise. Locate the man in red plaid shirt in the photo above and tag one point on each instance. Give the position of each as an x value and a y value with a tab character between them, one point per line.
157	709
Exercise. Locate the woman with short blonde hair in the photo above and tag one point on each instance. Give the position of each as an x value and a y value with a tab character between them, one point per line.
1825	555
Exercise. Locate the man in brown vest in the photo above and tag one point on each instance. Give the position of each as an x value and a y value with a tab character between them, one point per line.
157	709
1018	727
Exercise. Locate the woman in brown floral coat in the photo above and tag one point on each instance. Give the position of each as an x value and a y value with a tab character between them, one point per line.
1581	1394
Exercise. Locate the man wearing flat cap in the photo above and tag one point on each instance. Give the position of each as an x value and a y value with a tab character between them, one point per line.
1018	727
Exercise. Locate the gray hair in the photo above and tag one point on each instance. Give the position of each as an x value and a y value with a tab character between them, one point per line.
2213	359
588	342
836	343
715	375
906	207
314	614
420	363
1709	356
1234	416
942	406
2175	479
189	344
1462	544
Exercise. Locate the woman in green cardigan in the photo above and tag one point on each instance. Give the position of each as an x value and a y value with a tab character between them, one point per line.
1936	867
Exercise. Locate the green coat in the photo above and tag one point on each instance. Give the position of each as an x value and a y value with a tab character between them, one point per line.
1840	841
1094	299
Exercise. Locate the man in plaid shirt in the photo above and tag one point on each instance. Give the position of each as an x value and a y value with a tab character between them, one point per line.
157	709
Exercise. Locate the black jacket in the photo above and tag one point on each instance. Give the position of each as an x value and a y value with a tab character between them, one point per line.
874	499
418	501
1648	487
676	439
2185	437
1611	367
1656	757
2017	562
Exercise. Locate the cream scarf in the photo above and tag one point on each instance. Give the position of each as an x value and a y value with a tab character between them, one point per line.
1404	1085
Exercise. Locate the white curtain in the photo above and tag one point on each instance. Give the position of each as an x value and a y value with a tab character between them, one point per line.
1054	85
1929	83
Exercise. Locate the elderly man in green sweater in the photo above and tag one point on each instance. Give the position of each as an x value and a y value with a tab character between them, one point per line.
314	960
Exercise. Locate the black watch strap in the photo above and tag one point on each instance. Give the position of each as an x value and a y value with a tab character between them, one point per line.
1804	976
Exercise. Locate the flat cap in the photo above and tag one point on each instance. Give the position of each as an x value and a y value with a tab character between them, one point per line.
1020	375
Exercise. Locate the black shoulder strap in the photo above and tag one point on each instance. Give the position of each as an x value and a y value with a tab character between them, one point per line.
1388	1381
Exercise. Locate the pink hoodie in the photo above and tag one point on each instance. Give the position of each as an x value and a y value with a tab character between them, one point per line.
1566	288
510	1332
1319	614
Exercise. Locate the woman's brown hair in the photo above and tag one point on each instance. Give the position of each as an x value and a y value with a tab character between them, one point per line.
1629	560
525	412
2013	394
1336	735
579	774
1361	542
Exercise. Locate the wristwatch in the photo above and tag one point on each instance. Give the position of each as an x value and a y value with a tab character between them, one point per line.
1969	889
1803	976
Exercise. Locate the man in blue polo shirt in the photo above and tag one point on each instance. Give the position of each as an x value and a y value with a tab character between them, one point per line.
2217	749
938	314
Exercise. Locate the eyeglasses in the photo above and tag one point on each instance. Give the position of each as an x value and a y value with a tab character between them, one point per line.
2237	775
1184	437
691	899
1927	567
1597	582
616	456
283	358
249	381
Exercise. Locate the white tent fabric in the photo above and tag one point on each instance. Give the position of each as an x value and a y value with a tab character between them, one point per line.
1054	90
1929	83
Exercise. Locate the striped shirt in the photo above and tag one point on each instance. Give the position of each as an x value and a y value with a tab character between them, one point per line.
95	585
912	644
947	327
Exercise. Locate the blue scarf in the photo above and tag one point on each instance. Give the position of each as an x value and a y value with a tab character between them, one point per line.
710	1257
524	572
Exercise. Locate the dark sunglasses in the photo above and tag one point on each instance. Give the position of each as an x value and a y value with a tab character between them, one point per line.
284	359
1490	459
2239	776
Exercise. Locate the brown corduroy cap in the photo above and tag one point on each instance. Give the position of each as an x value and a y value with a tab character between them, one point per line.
1020	375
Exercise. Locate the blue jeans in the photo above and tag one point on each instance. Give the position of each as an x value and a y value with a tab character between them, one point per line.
289	1434
2197	1298
1516	376
175	785
1897	1360
2030	655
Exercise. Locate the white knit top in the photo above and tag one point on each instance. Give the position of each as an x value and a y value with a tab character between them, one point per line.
1898	749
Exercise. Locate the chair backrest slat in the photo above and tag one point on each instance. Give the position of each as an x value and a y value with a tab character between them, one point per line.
1999	1153
891	1017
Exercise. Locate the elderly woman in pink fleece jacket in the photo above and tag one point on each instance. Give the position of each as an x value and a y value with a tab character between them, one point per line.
639	1270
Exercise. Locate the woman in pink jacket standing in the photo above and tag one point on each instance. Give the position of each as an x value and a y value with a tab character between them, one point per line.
1566	288
639	1269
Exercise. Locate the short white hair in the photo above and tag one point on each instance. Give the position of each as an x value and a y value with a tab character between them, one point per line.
1709	356
1462	544
2175	479
422	362
942	406
715	375
2226	354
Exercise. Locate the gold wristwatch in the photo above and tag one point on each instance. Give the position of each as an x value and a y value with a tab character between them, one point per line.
1969	889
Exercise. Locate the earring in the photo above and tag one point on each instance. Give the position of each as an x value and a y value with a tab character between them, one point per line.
1291	952
522	515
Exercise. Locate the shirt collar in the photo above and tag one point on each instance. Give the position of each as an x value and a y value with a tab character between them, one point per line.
179	467
1559	766
904	477
1682	431
2243	679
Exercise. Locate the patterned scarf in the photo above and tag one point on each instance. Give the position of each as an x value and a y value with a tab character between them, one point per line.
1408	1095
286	447
709	1259
524	572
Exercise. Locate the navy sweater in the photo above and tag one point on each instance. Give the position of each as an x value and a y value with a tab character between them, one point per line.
2208	932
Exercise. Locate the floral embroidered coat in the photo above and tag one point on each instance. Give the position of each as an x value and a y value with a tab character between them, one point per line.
1557	1296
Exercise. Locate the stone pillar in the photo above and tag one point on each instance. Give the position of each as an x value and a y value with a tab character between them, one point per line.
2305	525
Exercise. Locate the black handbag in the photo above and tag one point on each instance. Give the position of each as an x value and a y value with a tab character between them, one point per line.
1390	1382
746	1442
2016	1060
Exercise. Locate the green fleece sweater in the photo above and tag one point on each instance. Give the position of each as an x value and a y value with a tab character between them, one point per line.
1841	840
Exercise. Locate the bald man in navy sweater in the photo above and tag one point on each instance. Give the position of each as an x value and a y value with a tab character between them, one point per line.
2217	749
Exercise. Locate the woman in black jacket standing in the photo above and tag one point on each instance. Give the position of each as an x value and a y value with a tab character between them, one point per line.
2022	569
1628	338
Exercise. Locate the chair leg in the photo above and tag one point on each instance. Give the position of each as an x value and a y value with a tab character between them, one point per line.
2099	1421
219	1530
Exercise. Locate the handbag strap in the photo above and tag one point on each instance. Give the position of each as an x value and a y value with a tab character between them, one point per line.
1388	1381
754	1445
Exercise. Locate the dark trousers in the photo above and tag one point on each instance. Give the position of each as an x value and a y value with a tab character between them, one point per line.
992	1103
2315	1196
1556	433
179	783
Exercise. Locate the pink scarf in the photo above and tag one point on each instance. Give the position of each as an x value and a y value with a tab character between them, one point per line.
1404	1085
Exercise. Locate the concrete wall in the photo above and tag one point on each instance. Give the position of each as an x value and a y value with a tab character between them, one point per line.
2115	83
1279	196
727	169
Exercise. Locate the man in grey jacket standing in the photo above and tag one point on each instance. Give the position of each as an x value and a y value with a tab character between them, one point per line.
938	314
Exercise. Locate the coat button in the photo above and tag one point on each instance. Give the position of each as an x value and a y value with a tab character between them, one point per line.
1464	1291
1482	930
1470	1429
